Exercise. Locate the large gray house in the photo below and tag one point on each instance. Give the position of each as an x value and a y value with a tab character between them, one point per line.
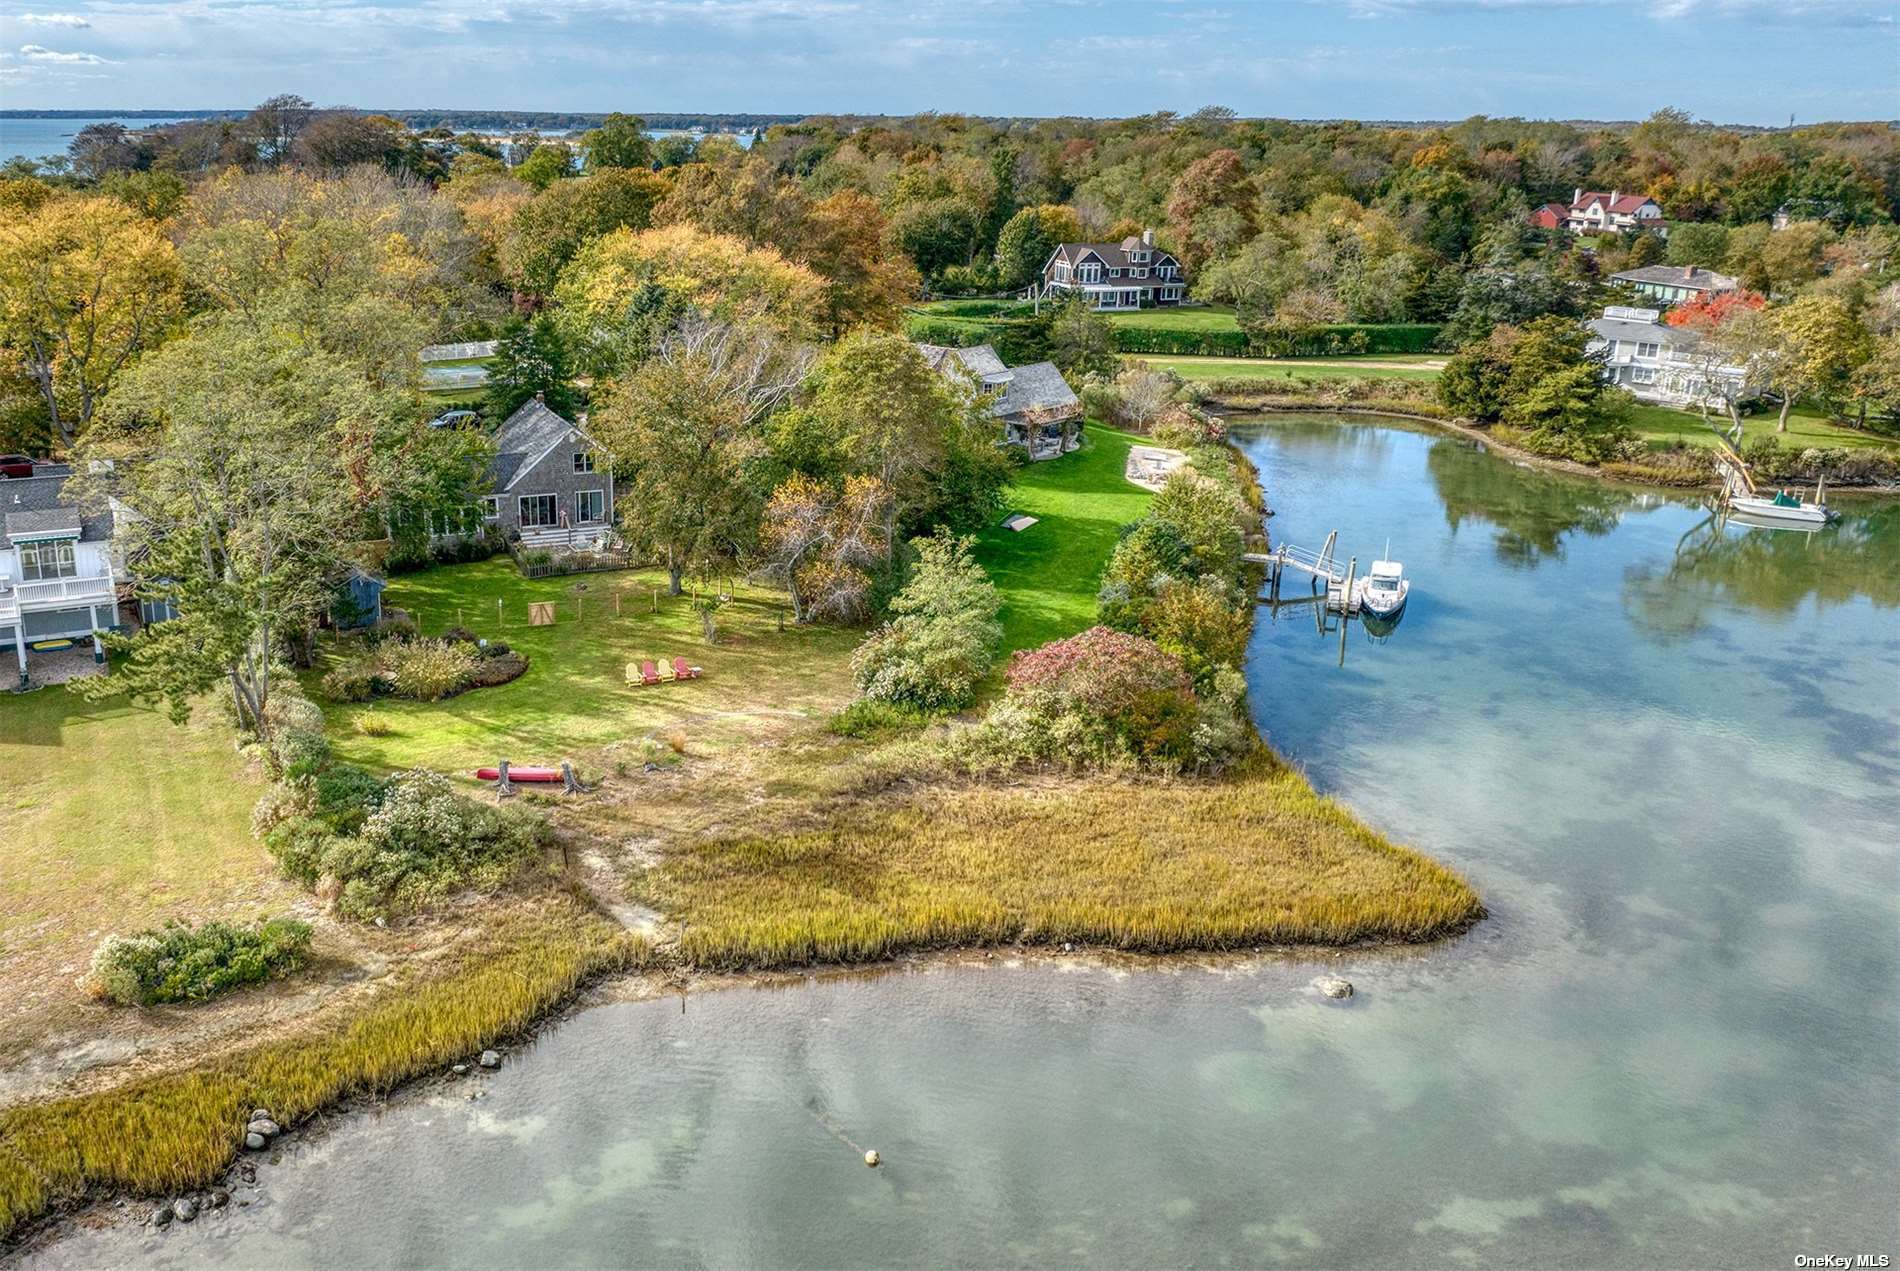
56	572
1131	274
1037	408
549	481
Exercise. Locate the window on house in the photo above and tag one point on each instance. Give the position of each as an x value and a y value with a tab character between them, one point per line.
583	461
590	506
538	510
1642	375
491	507
42	561
1647	348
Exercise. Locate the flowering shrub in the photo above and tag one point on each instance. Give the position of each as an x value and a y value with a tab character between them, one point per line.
177	963
1109	699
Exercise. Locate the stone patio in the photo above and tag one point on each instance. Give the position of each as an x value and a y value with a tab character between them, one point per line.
43	669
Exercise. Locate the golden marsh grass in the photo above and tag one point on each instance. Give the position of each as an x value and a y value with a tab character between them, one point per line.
1256	857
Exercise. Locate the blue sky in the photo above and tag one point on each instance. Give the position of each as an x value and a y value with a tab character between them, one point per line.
1744	61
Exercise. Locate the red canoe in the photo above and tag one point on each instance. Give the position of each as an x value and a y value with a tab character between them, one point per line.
519	774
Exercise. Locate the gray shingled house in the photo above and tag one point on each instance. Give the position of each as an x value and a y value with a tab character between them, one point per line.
1038	409
1131	274
551	483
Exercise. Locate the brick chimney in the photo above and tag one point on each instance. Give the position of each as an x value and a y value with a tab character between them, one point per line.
1688	273
541	397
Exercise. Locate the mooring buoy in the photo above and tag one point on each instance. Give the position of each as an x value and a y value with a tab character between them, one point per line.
871	1158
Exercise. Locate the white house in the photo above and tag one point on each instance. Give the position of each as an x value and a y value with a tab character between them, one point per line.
1659	363
56	574
1594	212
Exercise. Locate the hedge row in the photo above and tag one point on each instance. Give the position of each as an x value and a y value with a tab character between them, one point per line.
1313	341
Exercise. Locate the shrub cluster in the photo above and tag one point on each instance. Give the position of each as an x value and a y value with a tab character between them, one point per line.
1769	460
414	841
1107	699
179	963
1402	396
1278	340
423	670
942	635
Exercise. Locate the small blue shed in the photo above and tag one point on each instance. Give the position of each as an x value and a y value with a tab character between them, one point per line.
359	602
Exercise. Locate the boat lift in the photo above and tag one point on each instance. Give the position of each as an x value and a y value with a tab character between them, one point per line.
1323	566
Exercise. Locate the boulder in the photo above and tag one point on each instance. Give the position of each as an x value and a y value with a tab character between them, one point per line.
184	1209
490	1059
218	1198
459	1069
260	1114
268	1128
255	1141
1333	986
162	1216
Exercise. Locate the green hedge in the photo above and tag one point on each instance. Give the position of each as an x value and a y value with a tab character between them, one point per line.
1315	341
1017	341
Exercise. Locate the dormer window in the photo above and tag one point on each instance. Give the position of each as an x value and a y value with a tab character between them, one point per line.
1138	257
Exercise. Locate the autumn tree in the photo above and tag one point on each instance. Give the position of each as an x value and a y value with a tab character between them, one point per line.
688	429
615	283
549	229
85	285
866	282
1210	206
1029	238
1825	345
823	539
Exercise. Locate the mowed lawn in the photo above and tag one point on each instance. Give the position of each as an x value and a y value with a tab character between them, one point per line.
1407	366
1660	425
114	818
575	702
1048	574
1199	318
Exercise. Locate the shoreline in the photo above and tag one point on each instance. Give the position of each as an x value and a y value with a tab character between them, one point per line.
1229	407
595	958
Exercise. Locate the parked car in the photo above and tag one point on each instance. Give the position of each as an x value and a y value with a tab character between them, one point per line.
454	419
16	466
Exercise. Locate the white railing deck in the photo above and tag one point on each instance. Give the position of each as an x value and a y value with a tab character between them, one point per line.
55	592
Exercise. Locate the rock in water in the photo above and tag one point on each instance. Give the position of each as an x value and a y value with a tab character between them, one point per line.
184	1209
871	1158
459	1069
219	1198
269	1129
490	1059
1333	986
255	1141
162	1216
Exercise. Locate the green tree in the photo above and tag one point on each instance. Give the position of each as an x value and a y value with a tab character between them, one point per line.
688	427
530	358
935	233
1555	392
942	635
548	163
1472	383
1704	245
1825	345
232	449
620	142
1081	341
1028	238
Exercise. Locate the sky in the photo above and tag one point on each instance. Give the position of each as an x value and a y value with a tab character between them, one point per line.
1729	61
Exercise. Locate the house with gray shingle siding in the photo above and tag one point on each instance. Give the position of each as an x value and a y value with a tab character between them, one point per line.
1131	274
550	483
1036	406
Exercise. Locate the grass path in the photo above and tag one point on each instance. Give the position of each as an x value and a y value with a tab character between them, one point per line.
1049	573
1385	366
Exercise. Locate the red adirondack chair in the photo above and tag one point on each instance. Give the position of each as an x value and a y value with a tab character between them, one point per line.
649	674
681	671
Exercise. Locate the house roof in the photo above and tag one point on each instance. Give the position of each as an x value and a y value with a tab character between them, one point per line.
525	436
1636	332
1038	387
980	360
36	506
1114	255
1554	212
1695	279
1613	201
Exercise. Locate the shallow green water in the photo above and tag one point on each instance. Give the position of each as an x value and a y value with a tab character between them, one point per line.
1667	752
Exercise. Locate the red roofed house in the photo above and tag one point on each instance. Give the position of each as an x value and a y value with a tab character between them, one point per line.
1592	212
1550	216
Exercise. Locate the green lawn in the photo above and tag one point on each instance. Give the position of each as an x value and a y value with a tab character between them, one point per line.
1049	573
1199	318
1418	366
1660	424
113	818
574	702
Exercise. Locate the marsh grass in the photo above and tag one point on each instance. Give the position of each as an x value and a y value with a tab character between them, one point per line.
180	1130
1256	857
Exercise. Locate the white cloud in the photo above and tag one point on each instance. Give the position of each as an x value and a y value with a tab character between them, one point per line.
72	20
34	53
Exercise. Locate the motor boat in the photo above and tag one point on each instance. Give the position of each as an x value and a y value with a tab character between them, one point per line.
1382	593
1784	509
